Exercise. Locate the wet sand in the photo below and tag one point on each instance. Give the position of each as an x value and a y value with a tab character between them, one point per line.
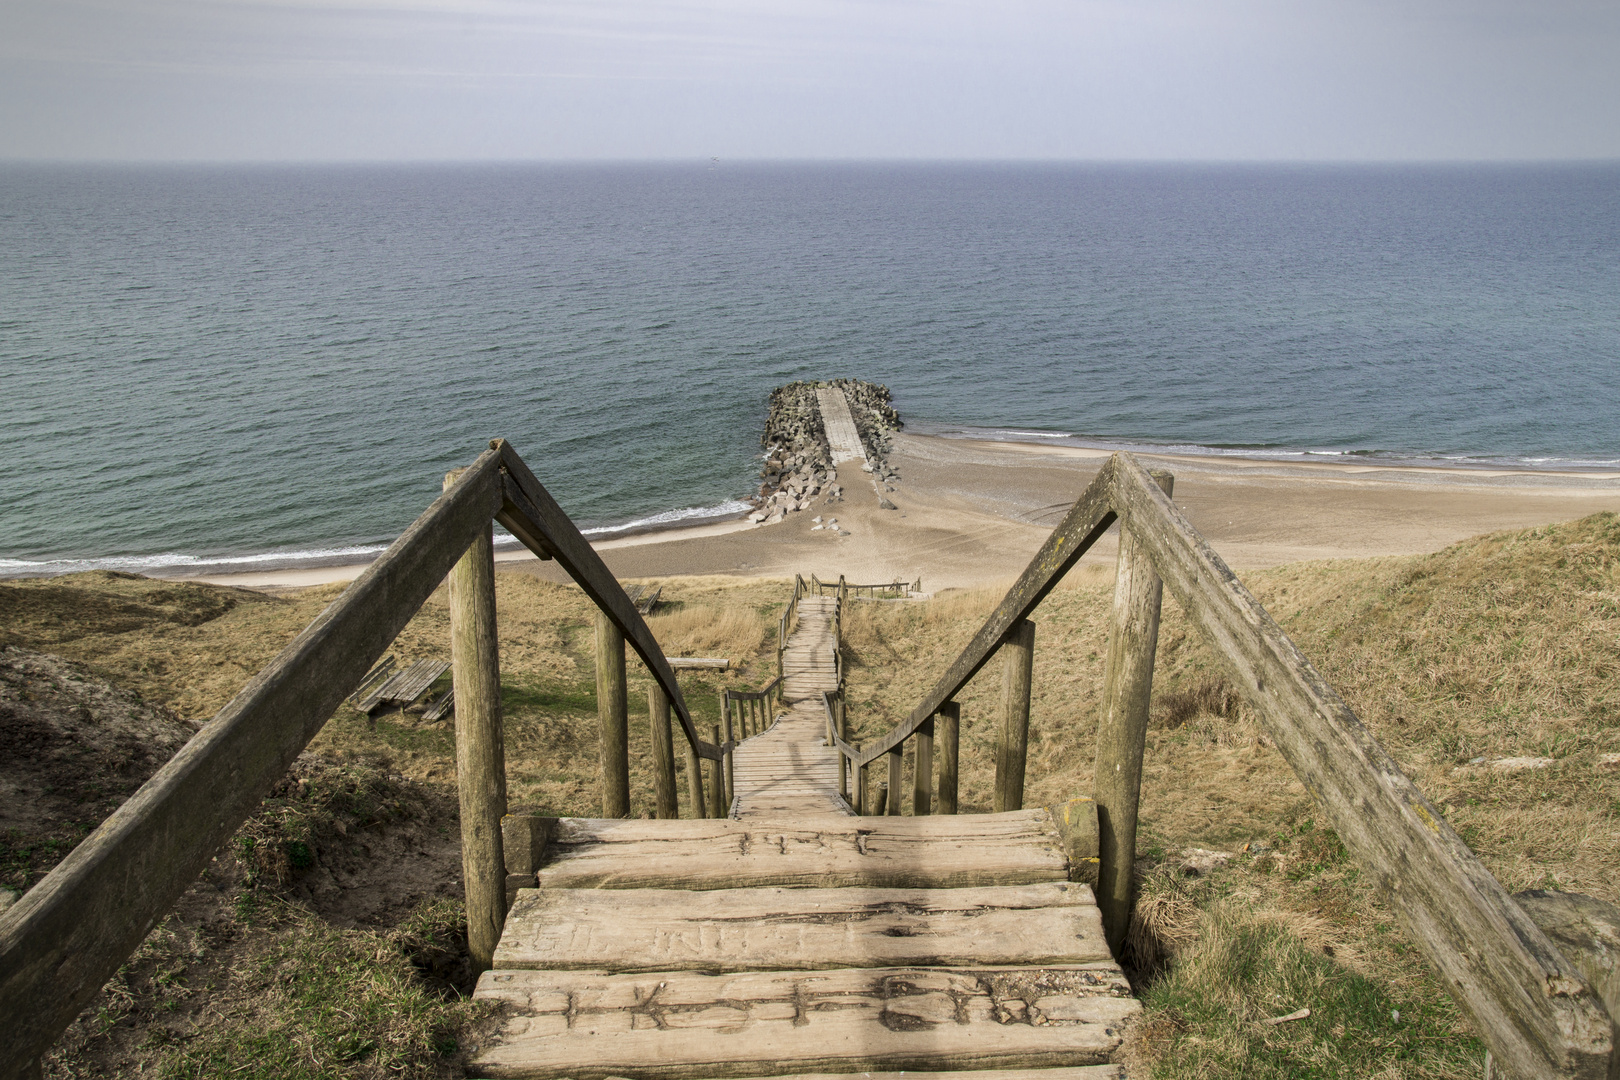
971	513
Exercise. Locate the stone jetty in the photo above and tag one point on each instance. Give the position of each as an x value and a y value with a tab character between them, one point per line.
799	464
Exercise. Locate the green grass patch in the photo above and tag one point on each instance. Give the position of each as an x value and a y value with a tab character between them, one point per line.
312	1001
1205	1015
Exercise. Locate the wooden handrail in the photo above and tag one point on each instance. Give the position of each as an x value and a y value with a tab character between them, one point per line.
1084	524
1531	1007
1529	1004
67	935
533	516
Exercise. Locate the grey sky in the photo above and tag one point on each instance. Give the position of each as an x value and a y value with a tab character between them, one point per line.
506	79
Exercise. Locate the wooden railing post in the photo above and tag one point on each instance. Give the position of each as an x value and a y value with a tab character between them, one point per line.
717	782
612	714
922	771
949	724
729	764
896	762
860	788
1012	742
480	750
1133	635
694	783
663	753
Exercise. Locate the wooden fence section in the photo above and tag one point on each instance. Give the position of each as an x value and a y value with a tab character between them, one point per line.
845	590
68	934
1532	1008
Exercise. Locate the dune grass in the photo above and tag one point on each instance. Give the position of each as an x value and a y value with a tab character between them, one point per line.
1503	646
1506	645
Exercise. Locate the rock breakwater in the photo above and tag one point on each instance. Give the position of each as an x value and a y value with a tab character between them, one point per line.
798	459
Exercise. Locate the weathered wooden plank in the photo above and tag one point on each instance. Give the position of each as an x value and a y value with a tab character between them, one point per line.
530	513
899	852
404	687
480	745
1077	1072
1529	1004
437	707
1133	636
72	930
1080	528
699	663
365	695
777	929
673	1025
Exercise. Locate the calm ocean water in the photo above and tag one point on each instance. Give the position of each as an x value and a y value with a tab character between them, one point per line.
274	365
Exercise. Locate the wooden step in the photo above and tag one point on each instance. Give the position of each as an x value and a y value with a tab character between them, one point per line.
953	851
778	929
1078	1072
675	1025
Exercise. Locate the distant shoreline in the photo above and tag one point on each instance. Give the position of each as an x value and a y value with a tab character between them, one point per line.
346	564
964	487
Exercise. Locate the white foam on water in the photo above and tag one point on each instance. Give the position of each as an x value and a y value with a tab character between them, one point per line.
194	564
729	508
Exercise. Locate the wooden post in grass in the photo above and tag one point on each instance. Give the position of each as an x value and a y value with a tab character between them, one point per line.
896	761
480	751
1012	742
948	725
1133	635
717	781
922	771
860	788
612	714
729	763
694	782
663	753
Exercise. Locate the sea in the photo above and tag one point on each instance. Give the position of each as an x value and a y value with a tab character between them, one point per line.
220	368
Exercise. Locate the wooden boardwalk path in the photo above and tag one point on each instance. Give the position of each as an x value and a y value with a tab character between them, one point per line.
788	769
795	939
843	439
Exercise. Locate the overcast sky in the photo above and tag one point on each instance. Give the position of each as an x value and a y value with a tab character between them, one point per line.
568	79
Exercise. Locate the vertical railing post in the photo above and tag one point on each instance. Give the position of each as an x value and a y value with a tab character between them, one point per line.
730	765
694	782
922	770
948	727
896	762
612	714
663	753
480	749
1012	742
717	782
860	788
1133	635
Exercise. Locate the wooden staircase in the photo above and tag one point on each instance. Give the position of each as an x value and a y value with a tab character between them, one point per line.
785	947
796	939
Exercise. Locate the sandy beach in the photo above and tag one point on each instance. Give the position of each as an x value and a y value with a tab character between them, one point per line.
973	512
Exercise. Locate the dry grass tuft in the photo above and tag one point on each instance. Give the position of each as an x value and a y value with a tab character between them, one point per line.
708	630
